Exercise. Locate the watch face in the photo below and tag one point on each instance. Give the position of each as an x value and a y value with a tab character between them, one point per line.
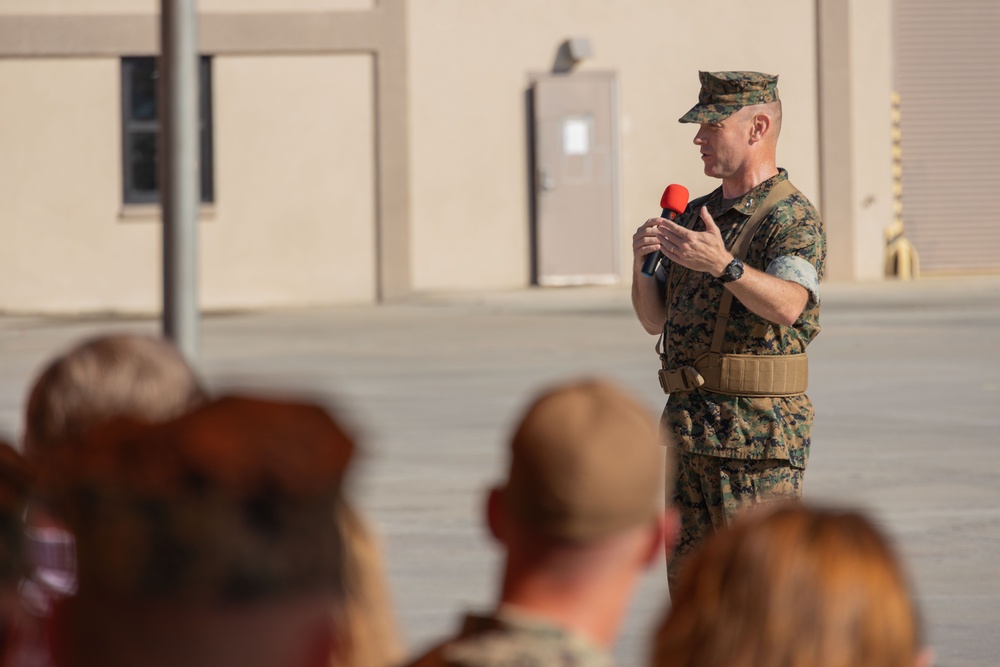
733	272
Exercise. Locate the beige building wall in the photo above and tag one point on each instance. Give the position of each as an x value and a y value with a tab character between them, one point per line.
28	7
871	101
369	158
469	66
293	218
65	248
856	105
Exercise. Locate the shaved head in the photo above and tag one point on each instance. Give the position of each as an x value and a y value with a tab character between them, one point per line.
773	110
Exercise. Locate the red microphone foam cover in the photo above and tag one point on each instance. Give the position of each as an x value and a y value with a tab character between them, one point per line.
675	198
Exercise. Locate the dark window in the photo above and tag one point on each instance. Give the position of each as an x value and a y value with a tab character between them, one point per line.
141	129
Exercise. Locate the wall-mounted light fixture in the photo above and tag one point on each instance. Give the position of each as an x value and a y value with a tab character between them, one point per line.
571	52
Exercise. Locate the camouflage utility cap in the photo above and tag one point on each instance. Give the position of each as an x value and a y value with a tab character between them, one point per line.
724	93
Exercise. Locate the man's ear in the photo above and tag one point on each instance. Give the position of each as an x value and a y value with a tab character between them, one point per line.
759	126
496	514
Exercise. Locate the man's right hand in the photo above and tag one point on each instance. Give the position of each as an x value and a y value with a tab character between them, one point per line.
646	299
645	241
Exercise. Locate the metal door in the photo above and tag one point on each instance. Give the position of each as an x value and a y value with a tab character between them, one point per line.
576	179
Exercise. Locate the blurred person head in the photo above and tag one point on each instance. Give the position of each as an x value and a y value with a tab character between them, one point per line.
109	376
793	585
580	514
96	380
209	539
15	479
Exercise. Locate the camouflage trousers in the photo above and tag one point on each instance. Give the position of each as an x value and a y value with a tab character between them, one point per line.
711	491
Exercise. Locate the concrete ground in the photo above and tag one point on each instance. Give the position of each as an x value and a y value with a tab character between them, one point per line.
905	378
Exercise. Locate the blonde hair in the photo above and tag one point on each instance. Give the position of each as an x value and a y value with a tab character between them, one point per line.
368	635
793	586
109	376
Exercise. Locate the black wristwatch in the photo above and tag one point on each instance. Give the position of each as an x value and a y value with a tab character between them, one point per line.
733	271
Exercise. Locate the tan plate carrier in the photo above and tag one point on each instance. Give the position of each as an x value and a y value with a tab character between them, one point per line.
737	374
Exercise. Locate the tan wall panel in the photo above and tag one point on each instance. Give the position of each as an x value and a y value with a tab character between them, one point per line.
295	190
855	98
70	7
28	7
65	248
283	5
872	62
468	69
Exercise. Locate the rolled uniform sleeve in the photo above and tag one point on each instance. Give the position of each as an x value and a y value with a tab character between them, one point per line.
797	270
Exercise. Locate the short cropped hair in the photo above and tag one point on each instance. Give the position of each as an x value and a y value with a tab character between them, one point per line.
110	376
793	586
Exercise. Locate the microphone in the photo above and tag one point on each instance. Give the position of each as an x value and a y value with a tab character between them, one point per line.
674	200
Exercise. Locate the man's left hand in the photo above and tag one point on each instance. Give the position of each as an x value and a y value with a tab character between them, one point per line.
698	251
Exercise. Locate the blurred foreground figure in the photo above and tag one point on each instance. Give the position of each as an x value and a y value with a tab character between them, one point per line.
580	519
109	376
101	378
372	637
793	586
14	481
209	540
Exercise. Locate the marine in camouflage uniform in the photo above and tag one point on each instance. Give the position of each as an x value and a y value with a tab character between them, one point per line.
508	638
579	518
736	451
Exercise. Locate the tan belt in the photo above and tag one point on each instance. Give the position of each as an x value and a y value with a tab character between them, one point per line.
740	375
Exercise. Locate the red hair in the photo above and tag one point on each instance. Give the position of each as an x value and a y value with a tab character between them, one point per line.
795	587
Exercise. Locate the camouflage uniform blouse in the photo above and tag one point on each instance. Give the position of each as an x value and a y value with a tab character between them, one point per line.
510	639
731	426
